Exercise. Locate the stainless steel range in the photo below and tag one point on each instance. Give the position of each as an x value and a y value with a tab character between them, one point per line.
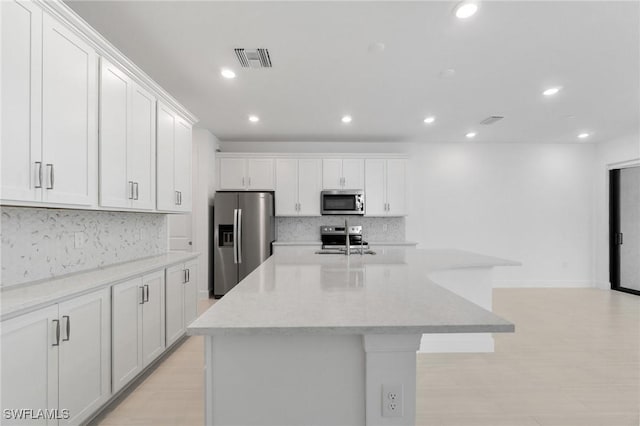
335	237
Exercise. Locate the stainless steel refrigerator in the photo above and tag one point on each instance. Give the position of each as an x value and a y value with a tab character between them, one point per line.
244	229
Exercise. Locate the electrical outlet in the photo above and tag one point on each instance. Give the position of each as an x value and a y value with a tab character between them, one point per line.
78	239
392	401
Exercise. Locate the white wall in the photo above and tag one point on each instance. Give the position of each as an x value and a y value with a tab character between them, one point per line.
526	202
204	149
612	154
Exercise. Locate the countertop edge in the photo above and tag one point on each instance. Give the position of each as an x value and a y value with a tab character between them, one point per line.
137	267
507	327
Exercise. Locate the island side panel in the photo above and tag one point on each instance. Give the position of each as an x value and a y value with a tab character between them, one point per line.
475	285
285	380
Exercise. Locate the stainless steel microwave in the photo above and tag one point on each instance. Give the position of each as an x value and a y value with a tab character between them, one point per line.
348	201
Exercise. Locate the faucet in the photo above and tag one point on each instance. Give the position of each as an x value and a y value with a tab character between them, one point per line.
347	239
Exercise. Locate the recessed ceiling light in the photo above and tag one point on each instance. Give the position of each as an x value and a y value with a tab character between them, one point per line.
466	9
227	73
254	118
377	47
346	119
584	135
551	91
430	119
448	73
471	135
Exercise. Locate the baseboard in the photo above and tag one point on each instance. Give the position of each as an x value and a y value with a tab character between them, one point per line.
604	285
203	294
543	284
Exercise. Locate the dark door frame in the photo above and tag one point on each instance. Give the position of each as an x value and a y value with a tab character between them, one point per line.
614	233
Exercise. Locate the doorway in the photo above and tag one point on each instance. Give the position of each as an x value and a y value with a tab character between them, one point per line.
624	229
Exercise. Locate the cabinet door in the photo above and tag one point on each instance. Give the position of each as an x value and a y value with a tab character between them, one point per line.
353	173
30	362
84	363
287	187
174	294
331	174
153	337
232	173
191	293
126	332
69	116
165	192
115	86
141	148
375	188
309	186
396	187
260	174
183	155
20	105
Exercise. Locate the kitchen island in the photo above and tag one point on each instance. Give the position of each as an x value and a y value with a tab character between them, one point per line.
332	339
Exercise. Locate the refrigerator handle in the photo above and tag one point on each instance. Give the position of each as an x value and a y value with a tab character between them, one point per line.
235	235
239	235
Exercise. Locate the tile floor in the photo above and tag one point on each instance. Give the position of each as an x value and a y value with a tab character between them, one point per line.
574	360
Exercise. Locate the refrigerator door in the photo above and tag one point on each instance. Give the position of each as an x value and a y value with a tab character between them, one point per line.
225	243
256	230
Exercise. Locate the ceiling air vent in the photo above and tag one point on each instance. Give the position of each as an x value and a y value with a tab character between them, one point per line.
253	58
491	120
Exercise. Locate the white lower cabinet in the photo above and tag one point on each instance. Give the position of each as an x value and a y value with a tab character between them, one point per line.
58	358
138	326
182	299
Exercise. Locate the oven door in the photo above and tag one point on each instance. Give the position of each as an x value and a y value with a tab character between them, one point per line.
341	203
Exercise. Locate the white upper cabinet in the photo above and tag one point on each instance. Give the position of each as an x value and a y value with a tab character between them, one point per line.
173	153
21	107
342	174
49	110
183	154
375	190
298	186
127	141
385	190
69	116
247	174
54	97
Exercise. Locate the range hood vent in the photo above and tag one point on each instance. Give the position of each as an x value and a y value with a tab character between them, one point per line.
254	58
490	120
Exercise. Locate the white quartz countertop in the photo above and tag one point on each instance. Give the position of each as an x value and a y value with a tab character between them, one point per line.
24	298
298	291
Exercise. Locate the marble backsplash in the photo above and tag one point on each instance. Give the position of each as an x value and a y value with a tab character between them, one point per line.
41	243
379	229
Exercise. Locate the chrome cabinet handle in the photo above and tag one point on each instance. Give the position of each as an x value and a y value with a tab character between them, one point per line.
146	288
188	275
180	198
39	165
135	185
51	176
131	190
184	276
67	328
57	343
142	295
176	201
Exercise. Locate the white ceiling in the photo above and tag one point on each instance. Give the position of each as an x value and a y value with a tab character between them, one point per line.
503	57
